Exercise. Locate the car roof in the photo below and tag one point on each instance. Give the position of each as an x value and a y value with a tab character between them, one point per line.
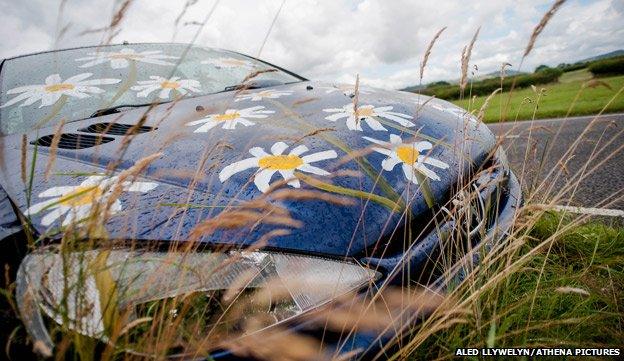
109	45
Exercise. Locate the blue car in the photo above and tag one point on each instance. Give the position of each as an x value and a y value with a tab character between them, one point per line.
173	200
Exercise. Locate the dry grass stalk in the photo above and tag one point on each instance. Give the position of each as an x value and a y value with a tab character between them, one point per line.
576	290
54	148
277	344
486	104
542	24
594	83
423	64
465	60
356	95
23	157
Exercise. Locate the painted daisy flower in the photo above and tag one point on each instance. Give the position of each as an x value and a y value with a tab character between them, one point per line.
366	113
230	118
411	155
180	86
277	162
74	203
346	89
264	94
54	88
229	63
121	59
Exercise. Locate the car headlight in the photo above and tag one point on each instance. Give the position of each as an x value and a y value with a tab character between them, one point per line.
108	294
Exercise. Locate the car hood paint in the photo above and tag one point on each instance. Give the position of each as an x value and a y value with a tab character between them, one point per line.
186	189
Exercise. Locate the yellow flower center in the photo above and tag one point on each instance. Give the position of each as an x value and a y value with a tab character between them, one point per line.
407	153
81	196
59	87
226	117
364	112
169	84
280	162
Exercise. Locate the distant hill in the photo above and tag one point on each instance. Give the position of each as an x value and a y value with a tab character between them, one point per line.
510	72
611	54
496	74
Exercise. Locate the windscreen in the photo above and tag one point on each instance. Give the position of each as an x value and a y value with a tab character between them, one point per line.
43	89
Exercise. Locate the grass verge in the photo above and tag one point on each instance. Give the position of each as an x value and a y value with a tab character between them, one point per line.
555	102
569	294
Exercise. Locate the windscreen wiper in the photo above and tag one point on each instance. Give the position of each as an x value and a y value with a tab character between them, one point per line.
256	84
118	108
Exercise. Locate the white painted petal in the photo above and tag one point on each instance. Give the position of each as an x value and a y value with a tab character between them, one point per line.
245	122
230	124
298	150
53	215
119	63
376	141
289	175
76	79
48	99
141	187
389	163
206	127
374	124
56	191
316	157
384	151
279	148
422	146
258	152
335	117
91	63
409	173
236	167
21	97
38	207
263	178
426	171
395	139
354	124
312	169
52	79
404	122
432	161
164	93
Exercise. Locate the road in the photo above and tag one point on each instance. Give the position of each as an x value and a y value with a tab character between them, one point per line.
537	152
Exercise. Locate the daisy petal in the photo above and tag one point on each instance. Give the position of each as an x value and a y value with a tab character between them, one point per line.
279	148
312	169
389	163
432	161
316	157
53	215
298	150
236	167
263	178
409	173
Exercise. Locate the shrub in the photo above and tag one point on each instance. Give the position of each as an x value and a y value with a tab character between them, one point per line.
613	66
487	86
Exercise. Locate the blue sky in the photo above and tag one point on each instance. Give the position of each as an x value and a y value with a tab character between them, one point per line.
382	41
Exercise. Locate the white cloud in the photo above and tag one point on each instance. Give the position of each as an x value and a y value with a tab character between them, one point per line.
381	40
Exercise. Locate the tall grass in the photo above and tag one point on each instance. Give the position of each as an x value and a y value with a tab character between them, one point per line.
552	280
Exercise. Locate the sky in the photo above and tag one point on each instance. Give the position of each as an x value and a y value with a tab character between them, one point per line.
381	40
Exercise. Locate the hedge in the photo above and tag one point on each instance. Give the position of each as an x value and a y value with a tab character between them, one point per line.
487	86
613	66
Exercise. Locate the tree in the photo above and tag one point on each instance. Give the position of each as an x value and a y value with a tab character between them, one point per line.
541	67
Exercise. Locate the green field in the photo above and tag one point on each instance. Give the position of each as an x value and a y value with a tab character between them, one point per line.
569	294
555	101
